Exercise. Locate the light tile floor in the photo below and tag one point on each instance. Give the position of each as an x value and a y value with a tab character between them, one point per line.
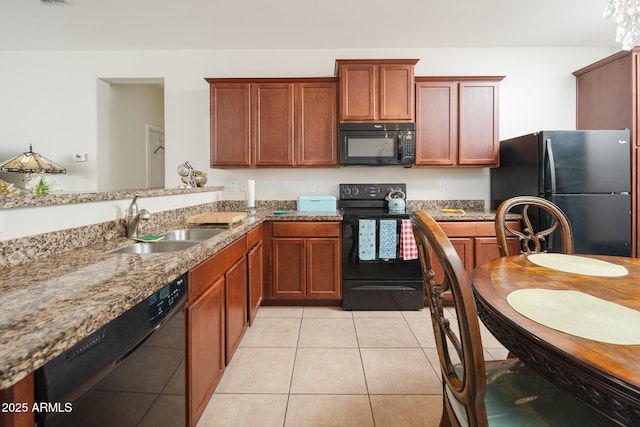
324	366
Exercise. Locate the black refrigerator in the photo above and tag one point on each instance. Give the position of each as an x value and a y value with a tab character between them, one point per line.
587	173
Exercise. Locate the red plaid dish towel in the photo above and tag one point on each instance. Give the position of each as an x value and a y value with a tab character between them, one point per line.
408	248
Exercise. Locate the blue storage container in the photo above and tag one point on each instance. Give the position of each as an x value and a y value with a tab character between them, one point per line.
316	204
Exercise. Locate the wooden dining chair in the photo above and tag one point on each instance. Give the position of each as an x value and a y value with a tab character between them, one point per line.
475	392
531	241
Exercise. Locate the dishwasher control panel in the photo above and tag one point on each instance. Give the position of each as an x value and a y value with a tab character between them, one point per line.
162	302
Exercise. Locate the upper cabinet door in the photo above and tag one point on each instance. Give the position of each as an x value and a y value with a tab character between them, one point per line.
358	92
273	124
316	124
397	101
230	131
436	123
479	140
376	90
457	121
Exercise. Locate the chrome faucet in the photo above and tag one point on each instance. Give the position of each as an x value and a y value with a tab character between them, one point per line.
133	218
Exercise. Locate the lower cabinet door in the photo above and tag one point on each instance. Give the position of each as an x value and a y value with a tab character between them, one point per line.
464	247
236	305
323	268
288	280
486	248
205	323
256	280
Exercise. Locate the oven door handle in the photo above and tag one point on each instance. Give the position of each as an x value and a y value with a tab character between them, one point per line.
383	288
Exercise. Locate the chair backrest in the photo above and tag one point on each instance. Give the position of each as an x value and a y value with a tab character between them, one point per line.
458	341
531	241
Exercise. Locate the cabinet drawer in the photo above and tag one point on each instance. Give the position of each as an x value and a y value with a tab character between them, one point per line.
254	236
306	229
473	228
204	274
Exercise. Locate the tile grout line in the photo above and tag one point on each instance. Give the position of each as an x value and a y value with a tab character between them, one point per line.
293	369
364	374
409	319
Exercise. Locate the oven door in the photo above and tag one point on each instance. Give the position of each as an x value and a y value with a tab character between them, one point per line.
379	268
369	148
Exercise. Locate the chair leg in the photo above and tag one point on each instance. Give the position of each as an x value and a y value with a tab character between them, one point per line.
445	420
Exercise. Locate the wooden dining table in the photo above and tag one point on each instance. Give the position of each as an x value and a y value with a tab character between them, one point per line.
605	375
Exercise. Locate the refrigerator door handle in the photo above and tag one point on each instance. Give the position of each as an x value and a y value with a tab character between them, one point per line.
550	163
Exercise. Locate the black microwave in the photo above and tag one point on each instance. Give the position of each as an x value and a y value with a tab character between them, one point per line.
377	144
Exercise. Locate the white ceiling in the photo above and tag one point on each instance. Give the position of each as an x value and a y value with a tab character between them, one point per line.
302	24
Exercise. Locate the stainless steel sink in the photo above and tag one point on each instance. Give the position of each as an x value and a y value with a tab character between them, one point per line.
192	234
155	247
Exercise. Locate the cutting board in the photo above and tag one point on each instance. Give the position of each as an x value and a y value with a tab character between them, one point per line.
216	218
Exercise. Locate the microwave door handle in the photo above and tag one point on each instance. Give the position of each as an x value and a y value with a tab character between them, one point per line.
400	148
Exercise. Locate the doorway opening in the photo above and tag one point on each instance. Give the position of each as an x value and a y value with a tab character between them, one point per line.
130	122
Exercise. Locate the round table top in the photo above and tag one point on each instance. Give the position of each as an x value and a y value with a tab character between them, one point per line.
494	281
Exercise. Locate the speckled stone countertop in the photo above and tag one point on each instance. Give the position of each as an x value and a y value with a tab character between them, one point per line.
483	215
49	304
63	198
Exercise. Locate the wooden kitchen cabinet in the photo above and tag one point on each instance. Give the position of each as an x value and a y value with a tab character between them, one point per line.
316	113
457	121
216	319
475	242
236	305
306	260
205	351
230	144
608	97
273	122
323	267
21	393
289	267
486	248
255	265
376	90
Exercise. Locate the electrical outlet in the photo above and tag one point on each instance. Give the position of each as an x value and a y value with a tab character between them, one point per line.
233	186
243	187
312	187
443	185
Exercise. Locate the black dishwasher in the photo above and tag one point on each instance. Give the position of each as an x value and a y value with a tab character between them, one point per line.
130	372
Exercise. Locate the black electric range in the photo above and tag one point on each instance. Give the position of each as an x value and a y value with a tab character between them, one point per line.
380	270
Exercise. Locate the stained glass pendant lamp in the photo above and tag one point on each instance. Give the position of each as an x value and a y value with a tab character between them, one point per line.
30	162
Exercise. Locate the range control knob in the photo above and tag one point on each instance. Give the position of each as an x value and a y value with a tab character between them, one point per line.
356	191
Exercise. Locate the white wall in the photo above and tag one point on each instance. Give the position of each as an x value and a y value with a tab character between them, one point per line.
50	99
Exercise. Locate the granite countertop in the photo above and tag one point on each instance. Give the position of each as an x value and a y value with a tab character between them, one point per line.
468	215
50	304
